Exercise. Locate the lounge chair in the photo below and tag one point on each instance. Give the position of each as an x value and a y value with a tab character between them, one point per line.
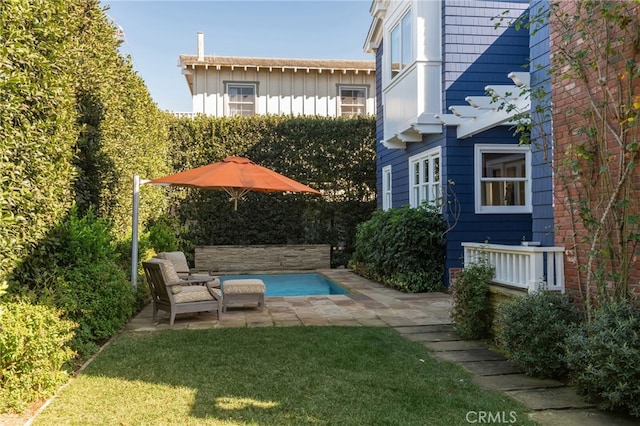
175	295
180	264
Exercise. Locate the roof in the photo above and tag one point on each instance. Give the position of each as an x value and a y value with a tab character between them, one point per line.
282	63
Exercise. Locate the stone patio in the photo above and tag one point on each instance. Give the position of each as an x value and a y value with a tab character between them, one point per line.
371	304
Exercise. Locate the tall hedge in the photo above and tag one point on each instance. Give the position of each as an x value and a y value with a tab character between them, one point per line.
38	128
334	155
76	123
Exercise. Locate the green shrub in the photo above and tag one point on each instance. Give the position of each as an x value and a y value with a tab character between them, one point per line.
402	248
163	235
604	356
33	352
533	330
472	313
87	282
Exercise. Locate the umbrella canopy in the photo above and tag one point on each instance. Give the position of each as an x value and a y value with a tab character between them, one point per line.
236	176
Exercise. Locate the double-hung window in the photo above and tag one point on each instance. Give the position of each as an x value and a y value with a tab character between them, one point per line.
502	179
401	46
241	99
386	187
424	175
353	101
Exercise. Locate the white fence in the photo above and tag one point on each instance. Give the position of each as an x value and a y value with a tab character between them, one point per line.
530	268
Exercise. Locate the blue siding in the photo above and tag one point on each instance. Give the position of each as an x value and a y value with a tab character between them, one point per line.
475	55
542	183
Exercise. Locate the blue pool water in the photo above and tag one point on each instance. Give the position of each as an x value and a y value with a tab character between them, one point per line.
293	284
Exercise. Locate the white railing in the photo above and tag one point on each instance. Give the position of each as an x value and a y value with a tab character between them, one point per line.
181	114
530	268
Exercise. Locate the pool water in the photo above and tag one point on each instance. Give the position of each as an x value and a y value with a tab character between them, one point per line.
311	284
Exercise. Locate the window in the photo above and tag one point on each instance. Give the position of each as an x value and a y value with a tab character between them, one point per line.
424	175
241	99
401	47
503	179
386	187
353	101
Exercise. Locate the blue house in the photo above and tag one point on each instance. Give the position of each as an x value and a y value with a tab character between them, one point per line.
451	76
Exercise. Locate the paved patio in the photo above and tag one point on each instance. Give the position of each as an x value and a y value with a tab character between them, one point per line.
370	304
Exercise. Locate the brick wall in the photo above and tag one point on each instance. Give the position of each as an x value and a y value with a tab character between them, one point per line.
571	105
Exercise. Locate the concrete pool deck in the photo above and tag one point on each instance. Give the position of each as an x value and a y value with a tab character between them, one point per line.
370	304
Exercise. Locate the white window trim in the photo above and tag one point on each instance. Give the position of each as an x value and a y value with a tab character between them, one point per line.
227	84
431	154
352	87
495	148
389	47
387	188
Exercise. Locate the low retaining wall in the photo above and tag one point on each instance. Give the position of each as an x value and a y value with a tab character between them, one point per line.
263	257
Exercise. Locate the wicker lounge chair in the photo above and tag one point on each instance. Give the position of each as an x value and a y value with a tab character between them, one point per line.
174	295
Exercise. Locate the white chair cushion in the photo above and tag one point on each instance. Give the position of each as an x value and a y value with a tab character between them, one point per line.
243	286
194	293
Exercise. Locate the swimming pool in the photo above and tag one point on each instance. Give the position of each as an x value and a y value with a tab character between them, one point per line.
310	284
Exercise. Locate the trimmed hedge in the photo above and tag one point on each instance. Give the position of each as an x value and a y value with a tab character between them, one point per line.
402	248
33	353
334	155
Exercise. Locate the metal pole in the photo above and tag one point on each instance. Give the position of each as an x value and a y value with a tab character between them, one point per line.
134	232
134	229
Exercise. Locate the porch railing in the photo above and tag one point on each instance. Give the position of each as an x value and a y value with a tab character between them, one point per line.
529	268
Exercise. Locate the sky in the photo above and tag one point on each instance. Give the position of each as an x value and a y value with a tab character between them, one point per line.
156	33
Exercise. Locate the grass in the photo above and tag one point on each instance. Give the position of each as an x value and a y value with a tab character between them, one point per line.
272	376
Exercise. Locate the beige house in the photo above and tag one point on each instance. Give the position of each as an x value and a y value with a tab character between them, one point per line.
226	86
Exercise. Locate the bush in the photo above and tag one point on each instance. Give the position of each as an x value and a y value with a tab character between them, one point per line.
402	248
533	330
472	313
604	357
88	284
33	352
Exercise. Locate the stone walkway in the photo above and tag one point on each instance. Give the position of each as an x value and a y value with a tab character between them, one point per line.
421	317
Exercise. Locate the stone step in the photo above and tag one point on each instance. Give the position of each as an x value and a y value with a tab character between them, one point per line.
551	398
588	417
512	382
433	337
458	345
491	368
437	328
469	355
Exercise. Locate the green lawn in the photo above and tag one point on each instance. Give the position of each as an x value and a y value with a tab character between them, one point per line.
272	376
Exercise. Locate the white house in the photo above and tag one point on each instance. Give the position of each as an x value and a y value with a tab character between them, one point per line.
226	86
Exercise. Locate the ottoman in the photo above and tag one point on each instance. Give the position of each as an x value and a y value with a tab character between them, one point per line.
243	291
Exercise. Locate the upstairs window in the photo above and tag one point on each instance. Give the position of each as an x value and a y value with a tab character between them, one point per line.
503	179
401	46
241	99
424	178
353	101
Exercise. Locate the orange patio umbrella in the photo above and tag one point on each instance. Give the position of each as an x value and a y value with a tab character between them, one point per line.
236	176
